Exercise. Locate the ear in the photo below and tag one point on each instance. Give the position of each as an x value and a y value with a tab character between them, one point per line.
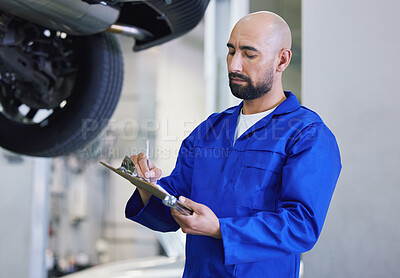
284	59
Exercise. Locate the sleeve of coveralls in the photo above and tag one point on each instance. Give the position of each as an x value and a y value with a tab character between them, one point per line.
154	214
309	177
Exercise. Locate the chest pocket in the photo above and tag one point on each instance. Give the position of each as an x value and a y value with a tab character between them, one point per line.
259	180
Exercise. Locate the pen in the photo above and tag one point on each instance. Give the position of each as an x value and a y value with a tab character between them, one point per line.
147	152
147	156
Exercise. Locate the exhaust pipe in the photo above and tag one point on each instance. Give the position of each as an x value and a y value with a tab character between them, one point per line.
73	17
130	31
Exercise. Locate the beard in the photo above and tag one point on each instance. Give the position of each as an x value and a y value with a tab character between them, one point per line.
251	91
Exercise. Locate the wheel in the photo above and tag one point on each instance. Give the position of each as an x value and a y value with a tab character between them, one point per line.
87	76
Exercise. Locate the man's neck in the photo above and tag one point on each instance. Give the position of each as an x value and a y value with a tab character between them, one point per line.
263	103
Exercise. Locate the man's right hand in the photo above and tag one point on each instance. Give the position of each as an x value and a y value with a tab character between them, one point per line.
150	172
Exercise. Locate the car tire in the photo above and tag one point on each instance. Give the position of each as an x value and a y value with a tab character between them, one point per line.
94	97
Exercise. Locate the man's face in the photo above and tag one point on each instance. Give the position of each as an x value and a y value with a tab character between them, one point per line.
250	64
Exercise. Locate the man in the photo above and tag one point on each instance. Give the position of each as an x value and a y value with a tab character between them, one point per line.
259	176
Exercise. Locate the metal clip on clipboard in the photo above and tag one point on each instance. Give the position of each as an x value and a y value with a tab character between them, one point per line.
129	172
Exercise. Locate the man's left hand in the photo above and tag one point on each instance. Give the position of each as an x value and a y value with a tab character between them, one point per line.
203	221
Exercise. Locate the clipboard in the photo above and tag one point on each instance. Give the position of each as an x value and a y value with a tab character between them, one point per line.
158	192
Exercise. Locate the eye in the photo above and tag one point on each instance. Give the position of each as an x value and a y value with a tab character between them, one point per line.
250	56
231	53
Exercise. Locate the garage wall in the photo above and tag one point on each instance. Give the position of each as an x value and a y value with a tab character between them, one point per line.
351	77
23	214
180	97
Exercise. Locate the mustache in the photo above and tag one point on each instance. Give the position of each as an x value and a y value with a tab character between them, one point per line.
239	76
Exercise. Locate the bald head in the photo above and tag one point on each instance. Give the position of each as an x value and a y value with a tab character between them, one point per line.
267	27
259	52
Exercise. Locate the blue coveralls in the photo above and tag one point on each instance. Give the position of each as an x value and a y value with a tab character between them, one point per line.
270	190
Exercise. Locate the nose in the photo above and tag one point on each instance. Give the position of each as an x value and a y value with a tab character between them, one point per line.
235	63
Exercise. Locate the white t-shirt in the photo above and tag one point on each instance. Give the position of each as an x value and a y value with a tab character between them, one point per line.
247	121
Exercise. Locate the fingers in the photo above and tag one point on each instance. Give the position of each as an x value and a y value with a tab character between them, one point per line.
187	203
142	165
184	221
202	222
155	173
146	168
198	208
